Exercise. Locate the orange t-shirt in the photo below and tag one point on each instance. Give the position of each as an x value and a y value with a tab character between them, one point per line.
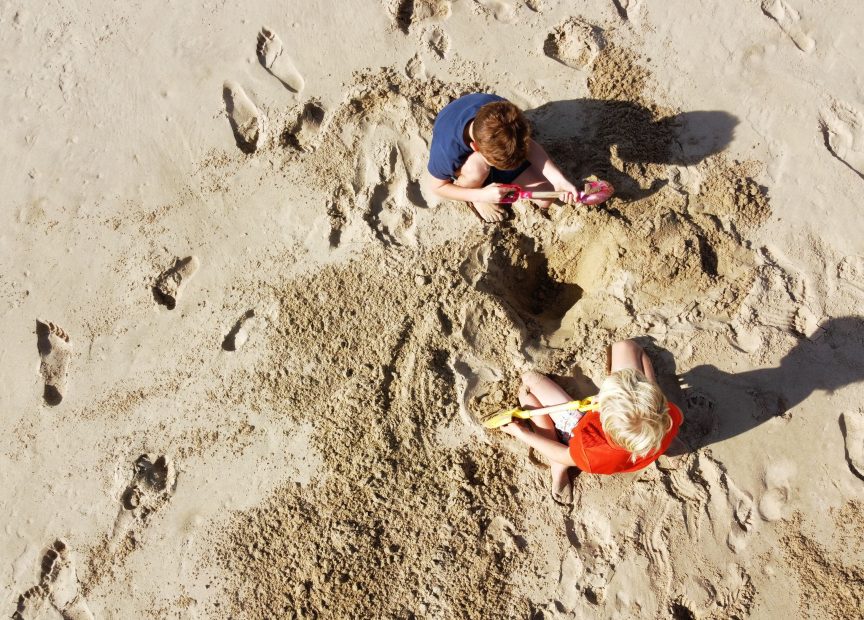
593	452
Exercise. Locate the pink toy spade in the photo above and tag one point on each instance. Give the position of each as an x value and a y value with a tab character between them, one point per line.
595	192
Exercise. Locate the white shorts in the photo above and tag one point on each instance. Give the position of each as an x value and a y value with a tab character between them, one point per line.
566	423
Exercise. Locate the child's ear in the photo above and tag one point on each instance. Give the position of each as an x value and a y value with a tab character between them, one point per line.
473	146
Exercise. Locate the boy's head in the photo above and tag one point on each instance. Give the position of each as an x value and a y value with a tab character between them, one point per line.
633	412
500	134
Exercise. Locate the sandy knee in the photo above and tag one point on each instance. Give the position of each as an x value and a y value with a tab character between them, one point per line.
531	378
473	172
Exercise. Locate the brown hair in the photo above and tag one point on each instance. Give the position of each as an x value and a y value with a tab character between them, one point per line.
501	133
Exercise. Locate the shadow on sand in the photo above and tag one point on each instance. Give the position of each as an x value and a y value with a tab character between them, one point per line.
832	358
587	136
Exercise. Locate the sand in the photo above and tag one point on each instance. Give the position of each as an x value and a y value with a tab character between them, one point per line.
244	354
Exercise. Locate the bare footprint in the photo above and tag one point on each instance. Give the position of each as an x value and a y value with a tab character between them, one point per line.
406	13
239	334
270	54
152	485
850	271
843	130
415	69
56	352
772	505
852	425
170	284
302	133
627	9
59	584
574	43
744	513
437	41
789	21
247	122
500	10
699	419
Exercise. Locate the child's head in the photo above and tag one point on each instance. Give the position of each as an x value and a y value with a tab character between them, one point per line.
633	412
500	134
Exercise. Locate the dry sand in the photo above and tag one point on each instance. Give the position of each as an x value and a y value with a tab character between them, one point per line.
244	354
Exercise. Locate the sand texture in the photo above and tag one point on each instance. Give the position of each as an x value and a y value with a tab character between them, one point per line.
245	354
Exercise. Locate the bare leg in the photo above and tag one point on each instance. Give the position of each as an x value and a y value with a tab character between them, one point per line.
628	354
536	391
533	180
473	173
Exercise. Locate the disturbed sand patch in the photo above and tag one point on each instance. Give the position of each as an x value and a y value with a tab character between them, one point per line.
404	340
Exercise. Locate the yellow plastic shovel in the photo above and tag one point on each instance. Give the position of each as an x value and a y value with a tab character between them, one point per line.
505	417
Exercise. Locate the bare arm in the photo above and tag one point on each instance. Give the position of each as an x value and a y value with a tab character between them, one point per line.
541	160
553	450
450	191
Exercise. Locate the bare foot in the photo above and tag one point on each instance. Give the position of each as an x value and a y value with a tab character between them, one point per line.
489	212
562	489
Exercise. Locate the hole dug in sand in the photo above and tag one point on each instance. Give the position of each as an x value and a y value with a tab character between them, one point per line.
519	273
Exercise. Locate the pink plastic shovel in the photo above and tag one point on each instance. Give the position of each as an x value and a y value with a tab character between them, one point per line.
595	192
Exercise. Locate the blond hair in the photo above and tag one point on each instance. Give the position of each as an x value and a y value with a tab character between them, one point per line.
633	412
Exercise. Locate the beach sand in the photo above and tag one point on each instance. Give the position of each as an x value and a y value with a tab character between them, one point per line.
244	355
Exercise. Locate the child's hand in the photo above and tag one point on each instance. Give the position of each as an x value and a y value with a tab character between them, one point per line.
515	428
493	193
570	193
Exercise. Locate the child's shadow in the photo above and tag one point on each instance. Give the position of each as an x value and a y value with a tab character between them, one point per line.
719	405
583	134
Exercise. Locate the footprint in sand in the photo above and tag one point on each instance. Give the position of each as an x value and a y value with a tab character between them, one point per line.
271	56
699	418
247	122
301	134
772	506
852	425
574	43
59	584
391	191
743	511
152	485
239	334
436	41
170	284
415	69
843	131
501	11
406	13
594	542
56	352
627	9
850	271
790	23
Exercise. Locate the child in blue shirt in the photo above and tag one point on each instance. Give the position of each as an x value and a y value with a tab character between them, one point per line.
480	141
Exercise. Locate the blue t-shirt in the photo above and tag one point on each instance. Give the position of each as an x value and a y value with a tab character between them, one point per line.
449	151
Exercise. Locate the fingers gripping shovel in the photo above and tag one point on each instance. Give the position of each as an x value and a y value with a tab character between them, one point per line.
505	417
595	192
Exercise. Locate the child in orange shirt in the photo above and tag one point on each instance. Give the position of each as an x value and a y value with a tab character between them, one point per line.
633	425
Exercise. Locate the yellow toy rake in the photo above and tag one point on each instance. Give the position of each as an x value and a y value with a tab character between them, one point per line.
505	417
